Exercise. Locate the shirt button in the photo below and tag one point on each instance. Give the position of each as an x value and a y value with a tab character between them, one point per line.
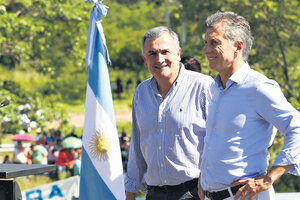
161	165
159	148
165	181
161	130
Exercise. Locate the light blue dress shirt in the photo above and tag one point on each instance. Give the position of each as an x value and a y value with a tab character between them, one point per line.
167	134
240	129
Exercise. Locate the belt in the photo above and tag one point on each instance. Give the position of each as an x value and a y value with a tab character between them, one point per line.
223	194
172	188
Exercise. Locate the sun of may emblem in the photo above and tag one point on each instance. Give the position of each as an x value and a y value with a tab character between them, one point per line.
99	145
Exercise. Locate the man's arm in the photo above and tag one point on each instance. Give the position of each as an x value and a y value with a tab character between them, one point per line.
275	109
253	186
136	166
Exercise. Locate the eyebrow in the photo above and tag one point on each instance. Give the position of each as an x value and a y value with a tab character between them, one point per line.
215	40
151	51
161	50
212	40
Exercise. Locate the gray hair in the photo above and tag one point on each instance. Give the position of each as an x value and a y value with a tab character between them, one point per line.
158	31
237	29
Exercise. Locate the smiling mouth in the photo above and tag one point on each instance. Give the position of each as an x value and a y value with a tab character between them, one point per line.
161	66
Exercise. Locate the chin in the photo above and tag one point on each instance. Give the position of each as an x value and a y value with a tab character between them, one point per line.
213	67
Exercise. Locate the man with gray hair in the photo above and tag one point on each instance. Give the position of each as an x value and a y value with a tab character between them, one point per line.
168	122
245	111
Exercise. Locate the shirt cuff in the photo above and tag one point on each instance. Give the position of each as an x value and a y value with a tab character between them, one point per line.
285	157
132	185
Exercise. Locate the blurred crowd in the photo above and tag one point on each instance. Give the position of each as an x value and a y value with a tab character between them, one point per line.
64	152
49	148
124	144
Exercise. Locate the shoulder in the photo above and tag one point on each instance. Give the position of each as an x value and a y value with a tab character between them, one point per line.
259	81
262	87
143	85
142	88
199	78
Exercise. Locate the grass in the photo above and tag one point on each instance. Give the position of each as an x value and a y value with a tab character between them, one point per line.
73	109
32	181
125	127
6	139
122	105
31	79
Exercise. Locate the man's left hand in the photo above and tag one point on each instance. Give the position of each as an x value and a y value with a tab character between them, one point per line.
256	185
252	186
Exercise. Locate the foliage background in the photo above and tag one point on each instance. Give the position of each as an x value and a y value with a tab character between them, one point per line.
43	45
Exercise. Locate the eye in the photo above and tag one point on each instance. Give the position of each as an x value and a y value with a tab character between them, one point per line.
214	43
164	52
152	53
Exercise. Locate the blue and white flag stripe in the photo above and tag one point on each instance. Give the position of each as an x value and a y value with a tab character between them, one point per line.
95	21
100	178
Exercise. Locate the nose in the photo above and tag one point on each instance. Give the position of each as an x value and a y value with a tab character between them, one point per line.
160	57
205	49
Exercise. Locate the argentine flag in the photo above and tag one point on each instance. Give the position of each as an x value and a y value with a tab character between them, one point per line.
101	175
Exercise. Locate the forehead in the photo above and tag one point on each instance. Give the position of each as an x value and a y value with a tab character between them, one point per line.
217	31
164	41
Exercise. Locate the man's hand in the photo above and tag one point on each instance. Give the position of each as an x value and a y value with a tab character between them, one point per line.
130	196
252	186
256	185
200	190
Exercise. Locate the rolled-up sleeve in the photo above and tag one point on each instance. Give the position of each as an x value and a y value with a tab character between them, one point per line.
278	111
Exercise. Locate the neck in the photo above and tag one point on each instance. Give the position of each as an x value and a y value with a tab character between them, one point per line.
164	90
164	85
226	74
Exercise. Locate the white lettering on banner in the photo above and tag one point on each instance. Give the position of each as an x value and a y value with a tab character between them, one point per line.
60	190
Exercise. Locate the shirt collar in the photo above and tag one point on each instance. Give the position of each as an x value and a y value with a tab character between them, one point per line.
240	74
237	77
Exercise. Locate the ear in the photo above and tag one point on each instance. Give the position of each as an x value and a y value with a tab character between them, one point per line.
239	47
145	61
178	53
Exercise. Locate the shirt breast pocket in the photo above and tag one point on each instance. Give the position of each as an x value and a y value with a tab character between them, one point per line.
177	118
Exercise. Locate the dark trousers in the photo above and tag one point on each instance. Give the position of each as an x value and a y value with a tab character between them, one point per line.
173	192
